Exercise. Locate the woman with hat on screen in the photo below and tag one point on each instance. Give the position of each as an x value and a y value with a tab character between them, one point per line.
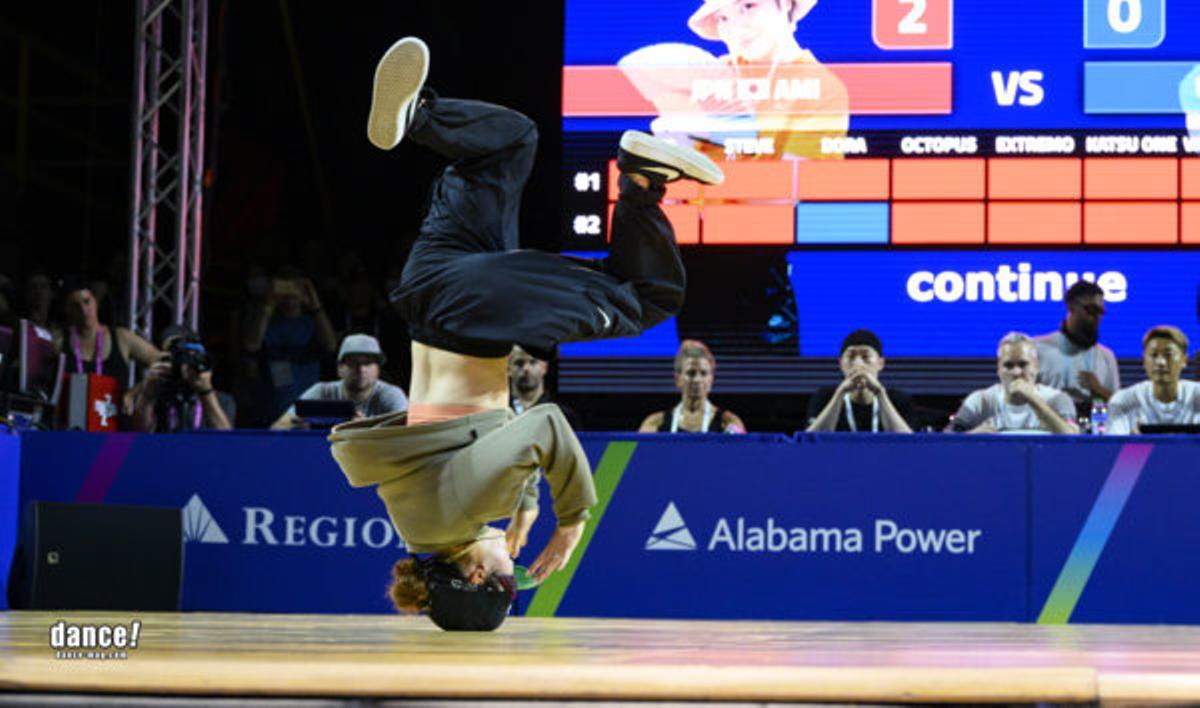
778	92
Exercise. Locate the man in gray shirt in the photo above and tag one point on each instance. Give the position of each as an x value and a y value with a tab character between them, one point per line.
1072	359
359	360
1017	403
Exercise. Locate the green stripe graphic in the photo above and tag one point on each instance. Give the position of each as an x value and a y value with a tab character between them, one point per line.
608	475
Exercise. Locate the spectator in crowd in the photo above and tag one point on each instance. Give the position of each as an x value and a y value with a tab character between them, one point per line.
527	384
860	403
314	258
243	364
1072	359
1018	402
93	347
107	310
290	333
526	380
694	370
359	362
8	310
1164	399
38	298
358	297
177	392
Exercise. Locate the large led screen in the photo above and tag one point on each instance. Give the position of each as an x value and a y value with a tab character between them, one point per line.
883	156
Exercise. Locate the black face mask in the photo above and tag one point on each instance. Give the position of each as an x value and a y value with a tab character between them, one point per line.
1084	342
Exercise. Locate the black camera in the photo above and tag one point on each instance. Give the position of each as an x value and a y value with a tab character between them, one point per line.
190	352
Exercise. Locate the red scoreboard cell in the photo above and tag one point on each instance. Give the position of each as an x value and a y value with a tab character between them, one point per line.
913	24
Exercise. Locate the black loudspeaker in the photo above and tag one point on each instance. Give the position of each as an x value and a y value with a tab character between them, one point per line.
98	557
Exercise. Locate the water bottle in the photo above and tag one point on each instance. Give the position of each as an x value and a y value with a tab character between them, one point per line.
1099	417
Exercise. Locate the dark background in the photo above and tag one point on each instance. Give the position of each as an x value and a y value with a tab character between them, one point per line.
292	164
291	178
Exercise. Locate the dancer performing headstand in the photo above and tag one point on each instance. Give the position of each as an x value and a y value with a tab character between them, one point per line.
458	458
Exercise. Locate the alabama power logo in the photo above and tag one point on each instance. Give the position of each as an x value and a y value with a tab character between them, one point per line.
740	534
670	533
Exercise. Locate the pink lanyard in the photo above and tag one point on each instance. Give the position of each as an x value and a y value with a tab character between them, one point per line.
79	354
197	416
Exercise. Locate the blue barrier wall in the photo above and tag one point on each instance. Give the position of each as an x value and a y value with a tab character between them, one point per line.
924	527
809	531
10	470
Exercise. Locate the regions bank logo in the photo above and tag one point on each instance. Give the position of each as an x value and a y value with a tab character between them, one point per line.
670	533
199	524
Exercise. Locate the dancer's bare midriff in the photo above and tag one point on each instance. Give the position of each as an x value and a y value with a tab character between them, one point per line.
447	385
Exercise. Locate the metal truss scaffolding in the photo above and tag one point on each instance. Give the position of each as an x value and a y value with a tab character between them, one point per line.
167	162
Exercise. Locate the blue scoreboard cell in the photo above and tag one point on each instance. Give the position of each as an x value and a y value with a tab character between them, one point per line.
1124	24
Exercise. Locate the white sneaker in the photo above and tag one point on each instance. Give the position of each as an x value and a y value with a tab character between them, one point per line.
662	161
398	80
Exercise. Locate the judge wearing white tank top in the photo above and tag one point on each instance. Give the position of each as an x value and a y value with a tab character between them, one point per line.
695	367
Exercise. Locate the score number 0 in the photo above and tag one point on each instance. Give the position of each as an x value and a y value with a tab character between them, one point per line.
1123	24
913	24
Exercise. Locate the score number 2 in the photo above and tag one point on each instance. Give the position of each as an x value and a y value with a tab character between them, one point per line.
913	24
1123	24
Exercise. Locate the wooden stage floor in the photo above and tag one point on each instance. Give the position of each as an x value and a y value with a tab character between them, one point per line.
361	656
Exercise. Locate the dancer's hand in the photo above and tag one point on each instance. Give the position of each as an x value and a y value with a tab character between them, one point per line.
517	534
558	551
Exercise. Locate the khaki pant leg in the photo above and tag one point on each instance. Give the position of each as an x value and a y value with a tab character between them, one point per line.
490	475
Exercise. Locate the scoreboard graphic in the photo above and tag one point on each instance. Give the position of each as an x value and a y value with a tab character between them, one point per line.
943	126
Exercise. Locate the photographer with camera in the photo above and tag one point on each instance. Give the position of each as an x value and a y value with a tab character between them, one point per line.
177	393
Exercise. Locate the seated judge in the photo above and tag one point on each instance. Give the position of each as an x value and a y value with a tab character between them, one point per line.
1017	403
1164	399
860	403
695	367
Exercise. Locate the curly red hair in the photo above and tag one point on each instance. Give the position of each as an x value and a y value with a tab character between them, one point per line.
407	590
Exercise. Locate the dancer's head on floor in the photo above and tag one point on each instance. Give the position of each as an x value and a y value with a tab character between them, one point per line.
466	587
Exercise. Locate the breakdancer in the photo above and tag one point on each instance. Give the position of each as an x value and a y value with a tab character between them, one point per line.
457	458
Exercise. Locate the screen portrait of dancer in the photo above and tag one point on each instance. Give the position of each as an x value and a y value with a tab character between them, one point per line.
754	30
760	38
